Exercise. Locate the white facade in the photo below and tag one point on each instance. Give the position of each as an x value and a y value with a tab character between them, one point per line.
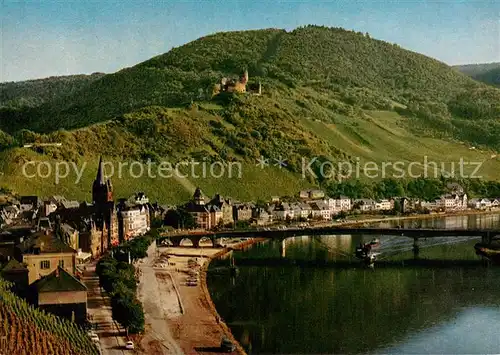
453	202
383	205
135	222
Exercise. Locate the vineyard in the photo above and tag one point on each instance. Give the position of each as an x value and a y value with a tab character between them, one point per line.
25	330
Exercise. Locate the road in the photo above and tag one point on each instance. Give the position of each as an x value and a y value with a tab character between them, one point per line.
160	303
110	335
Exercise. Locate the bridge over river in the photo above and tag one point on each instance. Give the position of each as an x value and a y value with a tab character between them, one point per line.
487	235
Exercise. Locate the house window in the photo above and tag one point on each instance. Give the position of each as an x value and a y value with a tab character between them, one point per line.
61	263
45	264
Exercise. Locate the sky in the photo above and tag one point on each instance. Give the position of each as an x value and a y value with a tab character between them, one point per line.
46	38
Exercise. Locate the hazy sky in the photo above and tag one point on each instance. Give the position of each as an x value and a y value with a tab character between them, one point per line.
44	38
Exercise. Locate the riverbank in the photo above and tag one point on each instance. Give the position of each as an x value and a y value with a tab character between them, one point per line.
181	318
387	218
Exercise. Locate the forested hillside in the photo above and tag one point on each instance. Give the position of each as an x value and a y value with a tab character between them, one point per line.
32	93
326	92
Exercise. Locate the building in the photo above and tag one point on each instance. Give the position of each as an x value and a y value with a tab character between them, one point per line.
62	294
304	211
311	194
365	204
453	202
216	216
70	236
133	220
93	240
140	199
48	207
343	203
104	206
30	203
225	205
320	210
200	212
17	274
480	203
242	212
283	212
431	205
43	252
261	217
241	85
384	205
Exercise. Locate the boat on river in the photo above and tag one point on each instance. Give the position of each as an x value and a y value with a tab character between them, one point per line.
489	251
366	251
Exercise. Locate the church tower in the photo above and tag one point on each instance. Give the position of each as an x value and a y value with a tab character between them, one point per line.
198	197
104	208
102	190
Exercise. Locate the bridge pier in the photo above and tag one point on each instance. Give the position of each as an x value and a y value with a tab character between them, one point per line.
416	248
486	238
176	242
283	248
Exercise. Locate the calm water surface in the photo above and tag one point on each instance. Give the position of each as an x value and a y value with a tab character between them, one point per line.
320	305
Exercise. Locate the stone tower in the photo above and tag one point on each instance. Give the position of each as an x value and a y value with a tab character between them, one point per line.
244	78
198	197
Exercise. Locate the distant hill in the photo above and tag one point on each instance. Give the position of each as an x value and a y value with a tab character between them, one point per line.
487	73
32	93
327	92
490	77
476	69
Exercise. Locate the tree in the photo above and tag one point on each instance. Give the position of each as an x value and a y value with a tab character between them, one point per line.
342	215
179	218
186	219
397	207
128	311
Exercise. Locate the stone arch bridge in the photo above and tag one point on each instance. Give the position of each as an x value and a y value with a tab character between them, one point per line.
487	235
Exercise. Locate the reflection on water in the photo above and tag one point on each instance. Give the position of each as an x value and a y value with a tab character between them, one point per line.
477	322
294	309
451	222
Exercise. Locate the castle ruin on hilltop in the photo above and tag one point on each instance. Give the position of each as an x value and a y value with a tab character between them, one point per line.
240	85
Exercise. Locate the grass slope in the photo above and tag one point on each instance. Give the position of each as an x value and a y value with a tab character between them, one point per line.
380	137
327	92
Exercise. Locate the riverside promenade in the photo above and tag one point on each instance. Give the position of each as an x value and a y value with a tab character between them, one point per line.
111	336
180	318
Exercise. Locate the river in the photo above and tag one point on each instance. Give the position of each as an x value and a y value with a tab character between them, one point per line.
314	306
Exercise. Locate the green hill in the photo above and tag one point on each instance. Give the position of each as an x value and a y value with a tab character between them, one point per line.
486	73
476	69
491	77
327	92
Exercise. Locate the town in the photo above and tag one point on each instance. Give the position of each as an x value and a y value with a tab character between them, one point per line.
47	243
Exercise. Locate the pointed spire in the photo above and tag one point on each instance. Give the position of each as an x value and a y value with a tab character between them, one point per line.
100	173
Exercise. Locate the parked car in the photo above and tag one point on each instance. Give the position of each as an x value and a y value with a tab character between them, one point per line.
227	345
93	336
129	345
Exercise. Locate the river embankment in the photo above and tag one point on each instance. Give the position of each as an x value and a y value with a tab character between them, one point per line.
180	316
188	311
363	219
